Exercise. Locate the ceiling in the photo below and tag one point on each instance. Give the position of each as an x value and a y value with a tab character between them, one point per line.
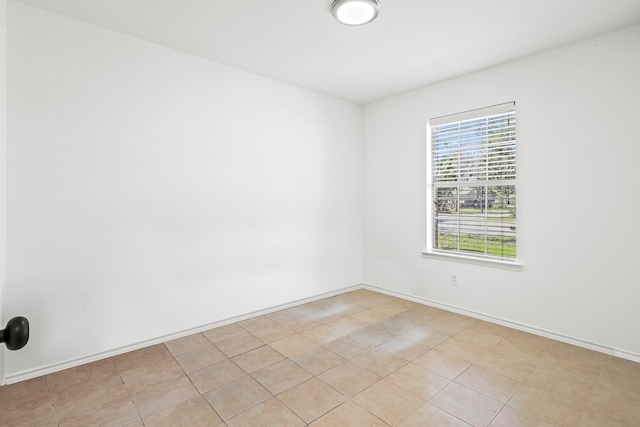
412	43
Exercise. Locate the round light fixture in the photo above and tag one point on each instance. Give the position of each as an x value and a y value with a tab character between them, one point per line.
355	12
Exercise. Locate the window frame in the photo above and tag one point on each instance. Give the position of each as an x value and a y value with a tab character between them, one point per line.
465	257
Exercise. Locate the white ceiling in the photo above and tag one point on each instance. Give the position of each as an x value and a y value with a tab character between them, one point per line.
412	42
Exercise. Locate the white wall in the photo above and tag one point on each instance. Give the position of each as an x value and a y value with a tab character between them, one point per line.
150	192
578	204
3	115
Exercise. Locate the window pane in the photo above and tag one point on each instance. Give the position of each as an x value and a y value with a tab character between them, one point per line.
446	218
473	219
501	221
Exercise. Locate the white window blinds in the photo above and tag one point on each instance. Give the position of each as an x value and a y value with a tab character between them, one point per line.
473	182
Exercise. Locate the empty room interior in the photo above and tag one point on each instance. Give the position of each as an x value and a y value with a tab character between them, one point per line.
255	213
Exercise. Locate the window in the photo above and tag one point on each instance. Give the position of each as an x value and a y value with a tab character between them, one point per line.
472	184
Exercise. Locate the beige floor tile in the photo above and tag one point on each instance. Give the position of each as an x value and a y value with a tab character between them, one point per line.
57	382
237	396
468	405
626	381
584	362
373	301
215	375
187	344
301	324
418	381
269	413
347	324
569	351
224	332
426	336
112	412
416	317
522	352
281	376
370	316
443	326
482	326
449	323
283	316
138	379
340	313
311	399
360	294
561	383
623	366
84	376
257	323
587	370
273	333
329	315
397	325
163	396
458	318
462	349
349	415
374	335
388	402
137	358
527	341
509	417
32	413
239	344
479	337
614	405
596	419
194	412
433	312
405	347
537	403
514	367
347	346
430	416
91	394
322	334
318	360
379	362
258	358
345	307
13	395
494	385
292	345
310	307
200	358
442	363
348	379
391	309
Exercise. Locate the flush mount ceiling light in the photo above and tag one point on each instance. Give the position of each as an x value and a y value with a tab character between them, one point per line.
355	12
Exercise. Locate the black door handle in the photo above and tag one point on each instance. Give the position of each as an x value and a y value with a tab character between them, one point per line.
16	334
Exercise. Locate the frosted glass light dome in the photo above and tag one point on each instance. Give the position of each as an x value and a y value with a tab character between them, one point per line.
355	12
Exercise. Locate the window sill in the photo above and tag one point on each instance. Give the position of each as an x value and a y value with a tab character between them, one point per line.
505	265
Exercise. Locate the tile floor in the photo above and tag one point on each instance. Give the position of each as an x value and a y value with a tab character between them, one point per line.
356	359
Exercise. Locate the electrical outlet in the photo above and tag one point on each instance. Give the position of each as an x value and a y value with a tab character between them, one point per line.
454	280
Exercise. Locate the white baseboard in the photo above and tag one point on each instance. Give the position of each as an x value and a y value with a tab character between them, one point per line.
624	354
45	370
49	369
